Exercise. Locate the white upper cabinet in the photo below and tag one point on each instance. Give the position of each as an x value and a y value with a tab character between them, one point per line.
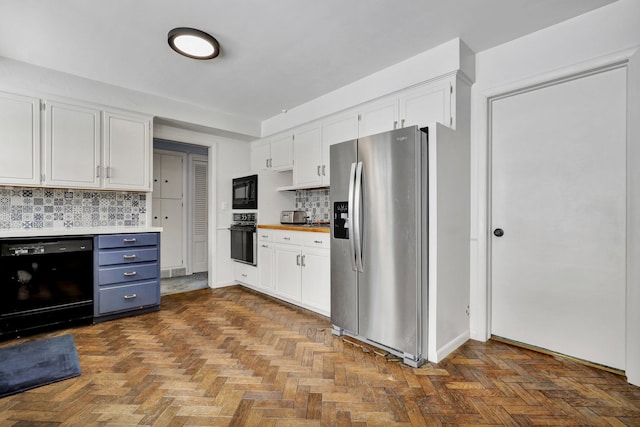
420	105
127	152
260	155
427	104
307	149
71	146
19	140
336	129
282	152
378	116
75	153
275	153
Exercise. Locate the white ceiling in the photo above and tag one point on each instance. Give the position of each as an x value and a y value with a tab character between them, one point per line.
275	54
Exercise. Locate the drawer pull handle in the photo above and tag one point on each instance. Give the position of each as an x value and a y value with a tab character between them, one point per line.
265	246
317	241
126	274
129	256
133	240
287	238
264	236
132	296
243	275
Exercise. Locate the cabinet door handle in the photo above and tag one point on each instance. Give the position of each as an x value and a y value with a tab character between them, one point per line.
129	274
132	240
98	171
297	259
132	296
302	260
402	123
107	171
129	256
318	172
395	124
324	167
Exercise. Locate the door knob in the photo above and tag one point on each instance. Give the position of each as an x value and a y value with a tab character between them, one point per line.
498	232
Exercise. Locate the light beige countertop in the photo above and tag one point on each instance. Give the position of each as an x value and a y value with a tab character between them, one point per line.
76	231
314	228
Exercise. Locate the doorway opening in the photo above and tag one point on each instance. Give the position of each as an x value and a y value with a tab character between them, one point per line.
180	207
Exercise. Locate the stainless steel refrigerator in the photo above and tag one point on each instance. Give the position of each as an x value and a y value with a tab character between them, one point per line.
379	241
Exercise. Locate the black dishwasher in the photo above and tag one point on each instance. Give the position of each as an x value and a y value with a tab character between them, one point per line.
45	283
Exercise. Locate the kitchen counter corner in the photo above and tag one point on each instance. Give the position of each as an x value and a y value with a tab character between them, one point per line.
314	228
45	232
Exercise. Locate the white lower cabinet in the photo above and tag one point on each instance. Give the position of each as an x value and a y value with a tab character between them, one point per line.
316	279
295	266
266	254
287	271
245	273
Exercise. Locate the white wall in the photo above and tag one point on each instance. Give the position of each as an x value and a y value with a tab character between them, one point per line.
603	36
233	161
25	79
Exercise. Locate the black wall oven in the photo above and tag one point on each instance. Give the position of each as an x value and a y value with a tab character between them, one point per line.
44	283
245	192
244	242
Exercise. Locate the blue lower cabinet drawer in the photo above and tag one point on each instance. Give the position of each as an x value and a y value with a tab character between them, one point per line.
127	256
127	240
128	297
127	273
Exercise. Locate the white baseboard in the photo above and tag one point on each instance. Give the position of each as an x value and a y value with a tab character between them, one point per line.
223	284
449	347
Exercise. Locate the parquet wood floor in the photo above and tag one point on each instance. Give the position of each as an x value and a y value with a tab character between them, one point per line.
234	357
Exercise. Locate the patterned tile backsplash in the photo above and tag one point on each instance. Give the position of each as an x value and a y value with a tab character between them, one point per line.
54	208
315	203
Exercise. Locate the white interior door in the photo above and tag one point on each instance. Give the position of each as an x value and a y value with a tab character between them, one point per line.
558	193
168	207
171	245
200	214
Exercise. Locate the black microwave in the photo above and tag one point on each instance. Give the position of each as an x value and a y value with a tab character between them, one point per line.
245	192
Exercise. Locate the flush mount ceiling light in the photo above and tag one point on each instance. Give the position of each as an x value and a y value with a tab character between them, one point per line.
193	43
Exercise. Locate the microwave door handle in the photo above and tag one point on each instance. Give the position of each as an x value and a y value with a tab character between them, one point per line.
350	200
357	213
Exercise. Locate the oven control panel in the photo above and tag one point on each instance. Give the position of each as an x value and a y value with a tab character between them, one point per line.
25	250
244	218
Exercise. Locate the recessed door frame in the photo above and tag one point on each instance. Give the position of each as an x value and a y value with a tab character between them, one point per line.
481	203
209	141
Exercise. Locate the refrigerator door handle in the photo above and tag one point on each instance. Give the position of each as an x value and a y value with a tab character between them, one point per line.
350	201
357	208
